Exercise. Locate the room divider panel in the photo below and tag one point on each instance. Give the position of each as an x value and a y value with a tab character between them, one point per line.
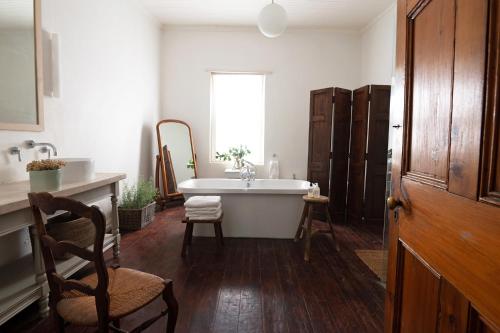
376	156
329	125
348	136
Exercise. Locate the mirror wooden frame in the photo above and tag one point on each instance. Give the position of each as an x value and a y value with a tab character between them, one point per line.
164	178
37	27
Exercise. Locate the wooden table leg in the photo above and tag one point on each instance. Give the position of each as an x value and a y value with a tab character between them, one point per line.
115	224
300	229
40	277
308	233
330	223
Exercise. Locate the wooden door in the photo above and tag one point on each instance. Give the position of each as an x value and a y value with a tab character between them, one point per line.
376	159
359	128
340	152
444	254
320	138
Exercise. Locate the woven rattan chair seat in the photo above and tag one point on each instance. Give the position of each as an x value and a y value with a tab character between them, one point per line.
128	290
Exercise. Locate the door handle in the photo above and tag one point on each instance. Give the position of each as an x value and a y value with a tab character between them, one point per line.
394	203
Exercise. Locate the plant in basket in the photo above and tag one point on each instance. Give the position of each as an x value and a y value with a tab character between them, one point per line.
137	205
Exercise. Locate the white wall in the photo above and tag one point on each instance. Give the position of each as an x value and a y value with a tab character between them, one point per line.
378	51
300	61
378	47
110	55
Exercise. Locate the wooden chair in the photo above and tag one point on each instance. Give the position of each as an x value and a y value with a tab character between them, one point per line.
103	298
188	234
308	228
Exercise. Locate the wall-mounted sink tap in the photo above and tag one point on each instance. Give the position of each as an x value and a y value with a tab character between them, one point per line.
33	144
45	150
15	151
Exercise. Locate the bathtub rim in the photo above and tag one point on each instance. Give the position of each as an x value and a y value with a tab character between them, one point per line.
250	190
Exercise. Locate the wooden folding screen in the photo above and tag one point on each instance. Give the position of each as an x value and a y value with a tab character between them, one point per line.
329	109
340	152
359	128
340	149
368	154
320	136
376	159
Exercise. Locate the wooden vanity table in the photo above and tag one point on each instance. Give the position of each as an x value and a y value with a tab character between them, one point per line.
23	281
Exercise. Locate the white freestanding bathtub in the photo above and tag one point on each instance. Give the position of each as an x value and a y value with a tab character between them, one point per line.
267	208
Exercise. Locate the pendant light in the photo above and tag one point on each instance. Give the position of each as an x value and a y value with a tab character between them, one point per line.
272	20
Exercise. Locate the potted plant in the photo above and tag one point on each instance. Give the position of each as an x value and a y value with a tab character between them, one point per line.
45	175
236	153
137	205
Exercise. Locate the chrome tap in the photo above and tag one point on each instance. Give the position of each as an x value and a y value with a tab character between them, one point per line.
247	172
15	151
33	144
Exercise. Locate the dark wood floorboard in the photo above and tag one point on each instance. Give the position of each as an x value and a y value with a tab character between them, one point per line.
251	285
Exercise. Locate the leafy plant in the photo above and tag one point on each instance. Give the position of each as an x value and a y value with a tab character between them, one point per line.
236	153
45	165
138	196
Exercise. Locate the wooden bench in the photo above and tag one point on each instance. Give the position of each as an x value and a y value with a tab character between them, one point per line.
188	234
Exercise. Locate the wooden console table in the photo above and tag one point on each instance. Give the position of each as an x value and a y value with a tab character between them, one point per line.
23	281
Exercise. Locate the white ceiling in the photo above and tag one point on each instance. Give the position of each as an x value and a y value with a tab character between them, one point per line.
342	14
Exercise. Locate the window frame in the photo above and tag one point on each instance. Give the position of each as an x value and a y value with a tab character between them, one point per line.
212	134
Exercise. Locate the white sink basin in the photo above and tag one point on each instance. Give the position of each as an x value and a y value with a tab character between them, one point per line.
77	170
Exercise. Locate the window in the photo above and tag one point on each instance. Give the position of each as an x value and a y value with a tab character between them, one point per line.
237	113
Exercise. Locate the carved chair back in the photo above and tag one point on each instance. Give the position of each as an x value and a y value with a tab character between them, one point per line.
43	205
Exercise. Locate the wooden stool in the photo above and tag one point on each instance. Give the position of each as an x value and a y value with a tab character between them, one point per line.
188	234
308	212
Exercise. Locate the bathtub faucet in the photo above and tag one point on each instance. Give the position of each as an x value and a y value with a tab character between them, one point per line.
247	172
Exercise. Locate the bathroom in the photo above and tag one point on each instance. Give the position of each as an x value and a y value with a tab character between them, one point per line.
117	89
112	70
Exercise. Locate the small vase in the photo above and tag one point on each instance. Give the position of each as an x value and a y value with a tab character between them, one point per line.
237	164
45	180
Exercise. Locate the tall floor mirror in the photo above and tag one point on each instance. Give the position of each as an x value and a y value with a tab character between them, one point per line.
176	161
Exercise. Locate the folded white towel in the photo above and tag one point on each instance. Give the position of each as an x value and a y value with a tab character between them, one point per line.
204	217
204	210
203	201
203	213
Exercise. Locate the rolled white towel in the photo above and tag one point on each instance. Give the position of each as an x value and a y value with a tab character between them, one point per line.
204	210
209	201
195	217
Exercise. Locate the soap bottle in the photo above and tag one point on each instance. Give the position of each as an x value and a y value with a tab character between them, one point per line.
310	190
274	167
316	191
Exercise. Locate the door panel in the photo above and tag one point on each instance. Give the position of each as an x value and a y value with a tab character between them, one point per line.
420	295
340	150
468	91
438	222
320	138
359	127
490	176
320	131
458	237
431	36
454	310
376	161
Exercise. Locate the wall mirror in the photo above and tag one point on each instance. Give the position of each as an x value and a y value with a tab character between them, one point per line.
177	157
21	91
